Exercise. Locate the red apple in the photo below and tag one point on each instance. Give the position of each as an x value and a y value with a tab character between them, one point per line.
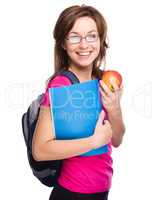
111	75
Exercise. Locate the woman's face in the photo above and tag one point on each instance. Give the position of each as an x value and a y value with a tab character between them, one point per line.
82	42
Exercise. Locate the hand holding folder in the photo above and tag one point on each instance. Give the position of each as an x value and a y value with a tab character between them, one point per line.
75	110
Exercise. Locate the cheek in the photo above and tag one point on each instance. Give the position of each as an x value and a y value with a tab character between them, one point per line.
71	53
97	49
97	46
70	50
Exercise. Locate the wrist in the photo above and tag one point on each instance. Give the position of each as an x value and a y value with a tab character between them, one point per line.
116	112
93	142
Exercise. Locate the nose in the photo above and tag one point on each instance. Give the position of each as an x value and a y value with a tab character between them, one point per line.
83	44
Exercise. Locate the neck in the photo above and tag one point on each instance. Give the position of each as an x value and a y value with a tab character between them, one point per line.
82	74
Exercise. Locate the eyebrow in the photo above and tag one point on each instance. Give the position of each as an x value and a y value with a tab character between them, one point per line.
73	32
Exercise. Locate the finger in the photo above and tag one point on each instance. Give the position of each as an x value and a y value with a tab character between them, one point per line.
121	93
104	96
101	115
121	90
102	92
106	122
105	88
103	118
121	87
114	85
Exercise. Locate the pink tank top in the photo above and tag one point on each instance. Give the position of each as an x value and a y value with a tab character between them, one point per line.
83	174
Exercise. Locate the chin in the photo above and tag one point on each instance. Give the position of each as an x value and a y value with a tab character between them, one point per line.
85	65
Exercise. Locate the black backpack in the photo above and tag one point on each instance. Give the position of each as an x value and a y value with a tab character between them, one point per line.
46	171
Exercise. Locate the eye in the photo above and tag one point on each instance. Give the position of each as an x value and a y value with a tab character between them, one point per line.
92	37
74	39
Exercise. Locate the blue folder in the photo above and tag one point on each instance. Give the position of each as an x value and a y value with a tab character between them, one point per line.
75	111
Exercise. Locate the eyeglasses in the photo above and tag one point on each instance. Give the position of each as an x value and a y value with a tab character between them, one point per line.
76	39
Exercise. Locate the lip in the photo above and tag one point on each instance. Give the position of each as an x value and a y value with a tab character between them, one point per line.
84	53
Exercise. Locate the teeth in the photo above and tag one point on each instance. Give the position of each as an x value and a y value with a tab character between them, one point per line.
84	53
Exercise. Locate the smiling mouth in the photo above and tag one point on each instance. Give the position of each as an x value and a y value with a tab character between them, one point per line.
84	53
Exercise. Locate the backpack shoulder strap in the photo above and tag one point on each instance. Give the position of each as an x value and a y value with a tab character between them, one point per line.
71	76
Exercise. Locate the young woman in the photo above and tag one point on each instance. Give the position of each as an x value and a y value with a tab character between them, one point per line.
80	46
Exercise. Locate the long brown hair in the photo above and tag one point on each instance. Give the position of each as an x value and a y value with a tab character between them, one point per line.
65	23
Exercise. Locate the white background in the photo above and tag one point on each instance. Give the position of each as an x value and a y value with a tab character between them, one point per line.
26	61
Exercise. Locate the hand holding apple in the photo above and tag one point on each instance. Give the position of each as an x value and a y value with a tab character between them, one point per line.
111	77
111	90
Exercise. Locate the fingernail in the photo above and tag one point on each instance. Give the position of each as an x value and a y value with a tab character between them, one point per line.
100	81
104	121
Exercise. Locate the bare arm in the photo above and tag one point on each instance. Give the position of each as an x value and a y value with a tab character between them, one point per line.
111	101
118	127
46	147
